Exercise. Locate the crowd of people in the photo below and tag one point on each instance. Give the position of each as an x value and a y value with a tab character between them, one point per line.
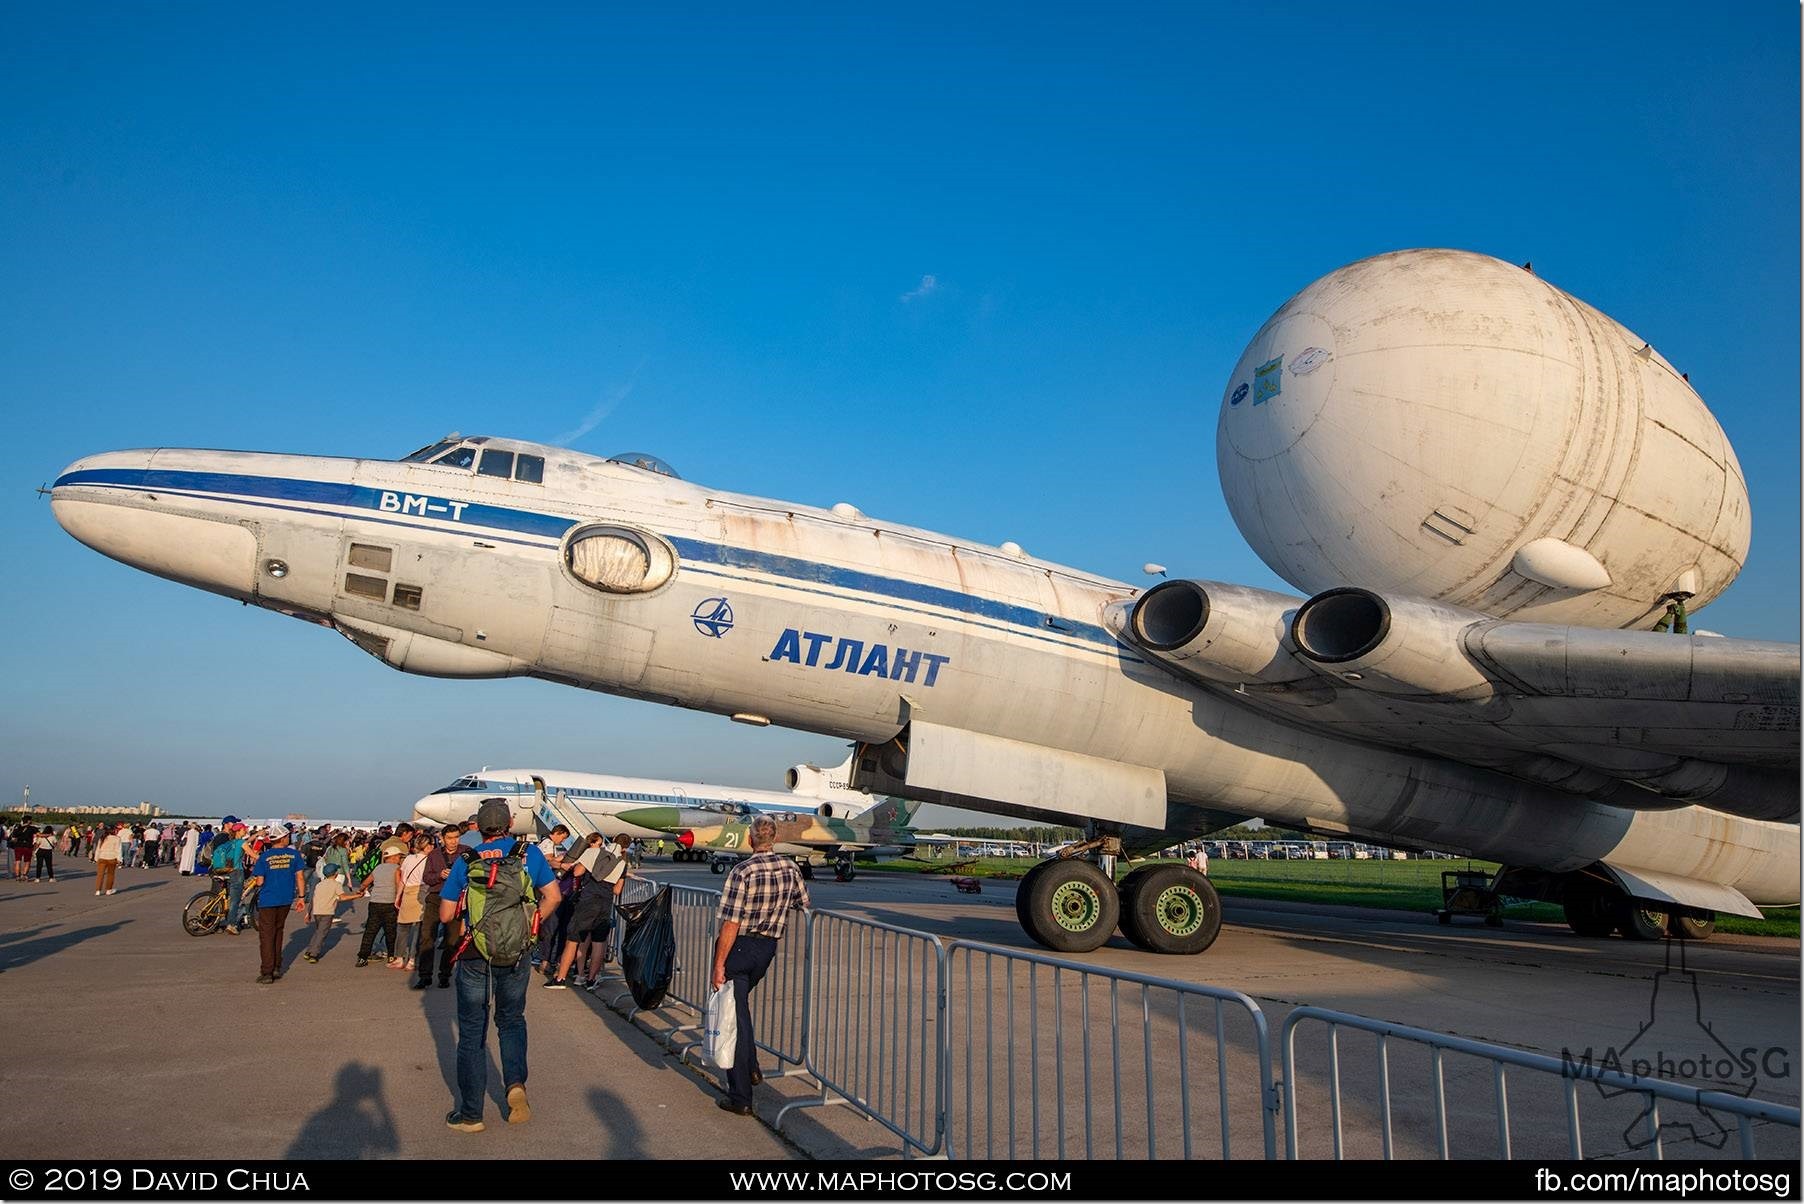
151	844
467	905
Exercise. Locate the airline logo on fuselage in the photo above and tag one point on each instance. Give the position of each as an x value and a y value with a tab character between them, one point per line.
879	660
421	504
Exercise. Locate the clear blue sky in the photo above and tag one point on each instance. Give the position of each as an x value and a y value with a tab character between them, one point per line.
324	231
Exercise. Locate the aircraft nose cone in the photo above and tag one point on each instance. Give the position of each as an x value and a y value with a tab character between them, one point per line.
434	808
105	468
116	504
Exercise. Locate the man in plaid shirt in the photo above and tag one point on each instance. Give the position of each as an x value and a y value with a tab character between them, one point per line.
755	904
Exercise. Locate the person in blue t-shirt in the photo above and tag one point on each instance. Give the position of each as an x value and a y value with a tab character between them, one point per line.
280	880
479	979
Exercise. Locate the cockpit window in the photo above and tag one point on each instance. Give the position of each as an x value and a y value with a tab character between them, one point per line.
530	469
470	782
461	457
496	463
430	450
646	461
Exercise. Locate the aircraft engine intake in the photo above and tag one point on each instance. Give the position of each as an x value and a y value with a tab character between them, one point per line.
1390	646
1226	633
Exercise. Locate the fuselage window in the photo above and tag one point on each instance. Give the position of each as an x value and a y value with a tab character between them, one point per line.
530	469
459	457
619	561
368	556
496	464
366	587
408	596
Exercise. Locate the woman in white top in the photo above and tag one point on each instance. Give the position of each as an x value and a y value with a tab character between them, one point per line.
106	861
190	848
408	912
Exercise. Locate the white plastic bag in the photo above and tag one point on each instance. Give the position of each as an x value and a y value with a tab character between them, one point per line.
722	1027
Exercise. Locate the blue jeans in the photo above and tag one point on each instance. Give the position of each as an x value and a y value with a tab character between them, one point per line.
747	962
477	981
237	914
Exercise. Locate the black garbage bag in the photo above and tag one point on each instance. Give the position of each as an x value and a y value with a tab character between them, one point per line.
648	948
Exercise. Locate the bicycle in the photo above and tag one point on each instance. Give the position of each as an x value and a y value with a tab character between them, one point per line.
206	912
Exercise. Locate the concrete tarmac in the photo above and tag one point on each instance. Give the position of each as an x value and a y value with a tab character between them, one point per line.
132	1039
146	1042
1532	986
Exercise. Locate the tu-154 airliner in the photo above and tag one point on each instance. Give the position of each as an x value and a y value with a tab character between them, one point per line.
820	818
1501	505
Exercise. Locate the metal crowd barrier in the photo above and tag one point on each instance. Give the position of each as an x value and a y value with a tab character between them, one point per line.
969	1048
1570	1073
874	1032
1022	1023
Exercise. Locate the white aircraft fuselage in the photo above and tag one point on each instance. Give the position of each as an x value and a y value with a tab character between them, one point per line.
979	676
828	622
641	808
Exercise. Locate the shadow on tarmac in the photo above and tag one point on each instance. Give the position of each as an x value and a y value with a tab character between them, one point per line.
625	1137
16	950
356	1123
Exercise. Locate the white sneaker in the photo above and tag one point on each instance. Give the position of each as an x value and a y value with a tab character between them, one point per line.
97	894
110	892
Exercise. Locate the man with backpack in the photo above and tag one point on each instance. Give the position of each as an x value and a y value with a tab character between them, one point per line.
503	887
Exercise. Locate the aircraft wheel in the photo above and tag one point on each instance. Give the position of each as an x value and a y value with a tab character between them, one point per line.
843	872
807	868
1590	915
1641	923
1130	920
714	867
1021	889
1072	907
1176	910
1697	927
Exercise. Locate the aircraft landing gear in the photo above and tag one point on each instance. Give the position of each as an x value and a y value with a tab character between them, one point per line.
1640	922
1599	912
807	868
1170	909
1697	926
1069	906
843	870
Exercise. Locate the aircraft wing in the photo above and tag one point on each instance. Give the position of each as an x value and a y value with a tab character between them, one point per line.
1639	719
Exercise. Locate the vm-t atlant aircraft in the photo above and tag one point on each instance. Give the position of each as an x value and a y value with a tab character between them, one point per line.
1490	491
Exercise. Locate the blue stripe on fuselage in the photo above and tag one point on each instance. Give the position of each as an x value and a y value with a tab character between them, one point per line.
553	526
796	569
328	493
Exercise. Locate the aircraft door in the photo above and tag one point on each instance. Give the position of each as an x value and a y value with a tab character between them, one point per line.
526	805
297	563
539	807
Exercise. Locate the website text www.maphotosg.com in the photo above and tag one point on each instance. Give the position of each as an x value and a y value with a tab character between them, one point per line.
925	1183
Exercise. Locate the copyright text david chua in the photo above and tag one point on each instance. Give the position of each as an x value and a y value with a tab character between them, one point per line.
99	1180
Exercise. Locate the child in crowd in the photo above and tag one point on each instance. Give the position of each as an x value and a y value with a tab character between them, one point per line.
328	893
